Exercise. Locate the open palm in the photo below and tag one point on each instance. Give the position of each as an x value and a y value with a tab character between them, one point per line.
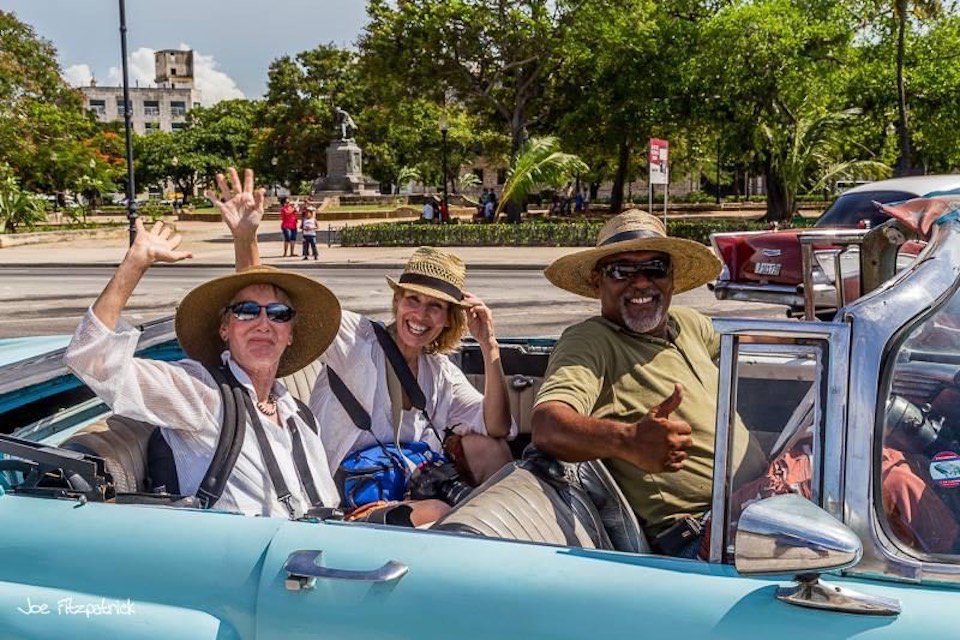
158	245
240	205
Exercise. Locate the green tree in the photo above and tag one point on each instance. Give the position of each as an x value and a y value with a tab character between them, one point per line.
537	165
18	207
46	137
807	153
494	56
755	65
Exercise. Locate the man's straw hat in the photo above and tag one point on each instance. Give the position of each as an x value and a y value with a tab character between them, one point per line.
434	273
635	230
199	314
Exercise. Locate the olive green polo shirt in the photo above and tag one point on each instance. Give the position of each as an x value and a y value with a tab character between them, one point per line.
607	371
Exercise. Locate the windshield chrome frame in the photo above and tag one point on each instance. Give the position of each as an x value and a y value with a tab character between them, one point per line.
876	321
836	336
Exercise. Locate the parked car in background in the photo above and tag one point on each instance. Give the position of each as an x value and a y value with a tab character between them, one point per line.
766	266
88	551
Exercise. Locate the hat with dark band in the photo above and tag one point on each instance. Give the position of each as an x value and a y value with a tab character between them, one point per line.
693	263
316	324
435	273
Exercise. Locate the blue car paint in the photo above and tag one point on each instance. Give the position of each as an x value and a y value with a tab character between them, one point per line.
18	349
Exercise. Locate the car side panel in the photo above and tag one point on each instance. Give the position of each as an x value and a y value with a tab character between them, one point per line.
187	573
467	587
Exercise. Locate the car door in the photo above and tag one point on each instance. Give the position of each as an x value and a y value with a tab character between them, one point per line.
70	569
468	587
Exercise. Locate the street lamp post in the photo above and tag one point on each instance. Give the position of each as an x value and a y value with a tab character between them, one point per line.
444	127
128	126
273	163
718	168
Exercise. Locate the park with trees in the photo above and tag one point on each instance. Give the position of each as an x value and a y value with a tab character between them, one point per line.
801	92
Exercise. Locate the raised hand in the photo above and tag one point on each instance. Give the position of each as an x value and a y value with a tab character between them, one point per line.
479	320
240	205
157	245
659	442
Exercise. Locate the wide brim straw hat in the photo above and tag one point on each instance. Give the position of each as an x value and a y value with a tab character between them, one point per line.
317	320
435	273
693	263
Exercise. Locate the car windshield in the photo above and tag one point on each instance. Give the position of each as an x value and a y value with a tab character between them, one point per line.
920	456
851	208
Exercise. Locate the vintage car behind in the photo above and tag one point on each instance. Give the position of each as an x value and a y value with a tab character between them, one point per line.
539	551
767	266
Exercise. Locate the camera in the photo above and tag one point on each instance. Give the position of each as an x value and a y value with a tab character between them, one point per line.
438	479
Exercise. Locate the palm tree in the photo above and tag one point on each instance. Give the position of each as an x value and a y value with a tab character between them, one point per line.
405	175
805	153
18	207
903	10
538	164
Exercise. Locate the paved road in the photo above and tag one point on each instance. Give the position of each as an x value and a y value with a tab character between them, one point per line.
41	300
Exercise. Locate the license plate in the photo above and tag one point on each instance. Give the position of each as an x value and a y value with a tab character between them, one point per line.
767	269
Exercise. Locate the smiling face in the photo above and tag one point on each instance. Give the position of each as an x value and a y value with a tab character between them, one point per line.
638	303
420	319
257	345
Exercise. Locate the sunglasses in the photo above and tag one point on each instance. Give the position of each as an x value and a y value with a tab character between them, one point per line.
656	269
248	310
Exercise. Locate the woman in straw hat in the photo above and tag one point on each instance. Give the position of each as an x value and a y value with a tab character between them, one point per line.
256	324
432	312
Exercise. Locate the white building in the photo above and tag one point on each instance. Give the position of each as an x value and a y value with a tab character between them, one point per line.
160	108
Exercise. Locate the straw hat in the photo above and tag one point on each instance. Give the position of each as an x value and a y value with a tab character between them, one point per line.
199	314
434	273
634	230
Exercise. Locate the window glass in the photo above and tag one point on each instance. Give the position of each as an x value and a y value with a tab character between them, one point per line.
776	435
919	466
849	209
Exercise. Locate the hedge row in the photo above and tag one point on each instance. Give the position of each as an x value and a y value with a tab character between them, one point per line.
528	234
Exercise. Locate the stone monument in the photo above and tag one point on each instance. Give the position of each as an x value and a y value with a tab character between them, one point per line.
344	163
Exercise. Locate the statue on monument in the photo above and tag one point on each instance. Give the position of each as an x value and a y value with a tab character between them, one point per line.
345	123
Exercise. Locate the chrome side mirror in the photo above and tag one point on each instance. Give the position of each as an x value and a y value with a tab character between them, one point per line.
789	534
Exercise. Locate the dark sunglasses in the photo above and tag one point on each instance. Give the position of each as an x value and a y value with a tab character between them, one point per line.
248	310
655	269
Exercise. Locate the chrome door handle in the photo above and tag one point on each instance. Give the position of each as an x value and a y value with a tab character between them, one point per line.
303	569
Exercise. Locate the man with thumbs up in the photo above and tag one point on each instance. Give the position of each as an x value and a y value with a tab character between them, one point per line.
637	385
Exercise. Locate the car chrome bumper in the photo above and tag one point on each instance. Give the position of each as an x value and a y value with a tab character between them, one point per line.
824	295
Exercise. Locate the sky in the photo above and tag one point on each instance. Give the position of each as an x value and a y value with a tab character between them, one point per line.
234	41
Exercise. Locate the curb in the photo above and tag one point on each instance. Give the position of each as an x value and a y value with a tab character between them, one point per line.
346	266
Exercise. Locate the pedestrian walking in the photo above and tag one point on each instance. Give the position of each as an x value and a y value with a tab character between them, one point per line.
428	210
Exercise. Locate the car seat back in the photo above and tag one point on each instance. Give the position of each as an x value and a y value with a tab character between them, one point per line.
122	443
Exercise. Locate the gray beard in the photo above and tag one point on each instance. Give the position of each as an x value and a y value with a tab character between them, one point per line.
642	321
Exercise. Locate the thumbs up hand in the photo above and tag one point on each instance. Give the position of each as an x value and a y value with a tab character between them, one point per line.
657	442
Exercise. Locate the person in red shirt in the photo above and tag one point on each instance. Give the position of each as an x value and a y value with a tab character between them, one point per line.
288	227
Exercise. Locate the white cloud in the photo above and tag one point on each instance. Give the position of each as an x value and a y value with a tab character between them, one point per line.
140	68
78	75
214	85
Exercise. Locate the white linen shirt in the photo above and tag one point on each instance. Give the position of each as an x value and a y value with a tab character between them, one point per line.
183	399
359	360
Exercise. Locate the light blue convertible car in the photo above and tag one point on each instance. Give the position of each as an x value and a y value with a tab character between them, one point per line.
863	545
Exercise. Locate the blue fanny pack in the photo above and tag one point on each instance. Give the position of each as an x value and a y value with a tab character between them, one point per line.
380	472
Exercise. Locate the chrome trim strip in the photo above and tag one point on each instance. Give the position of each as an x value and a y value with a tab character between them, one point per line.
726	399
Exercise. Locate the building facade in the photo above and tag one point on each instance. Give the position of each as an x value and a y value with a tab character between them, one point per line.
160	108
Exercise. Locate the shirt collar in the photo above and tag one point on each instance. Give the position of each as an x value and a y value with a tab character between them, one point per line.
284	400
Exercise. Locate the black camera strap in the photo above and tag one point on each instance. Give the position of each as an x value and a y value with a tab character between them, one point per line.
300	464
229	440
407	380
